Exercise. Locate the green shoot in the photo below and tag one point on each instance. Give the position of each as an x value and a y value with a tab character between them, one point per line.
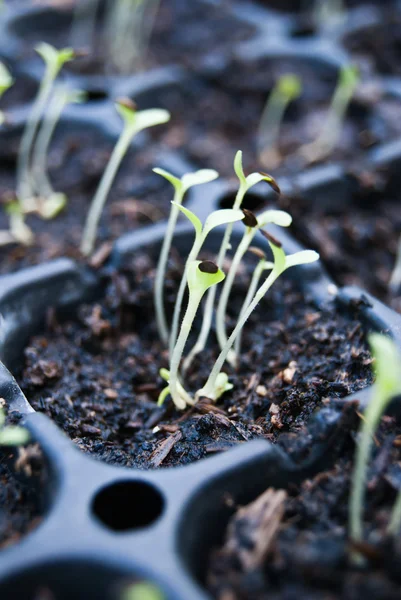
134	122
326	141
54	61
215	219
181	186
12	435
281	264
387	385
263	265
50	202
395	279
245	184
6	81
252	226
286	90
18	232
142	591
129	27
200	277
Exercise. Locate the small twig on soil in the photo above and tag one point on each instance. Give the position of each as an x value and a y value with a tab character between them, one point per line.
164	449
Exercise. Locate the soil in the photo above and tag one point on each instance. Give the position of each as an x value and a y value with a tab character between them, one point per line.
297	546
357	240
97	376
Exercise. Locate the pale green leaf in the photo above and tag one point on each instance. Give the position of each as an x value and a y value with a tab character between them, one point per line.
164	374
163	395
222	385
196	222
142	591
177	183
290	86
53	205
279	257
150	118
6	80
239	171
387	366
13	435
54	59
277	217
222	217
301	258
2	417
198	281
198	177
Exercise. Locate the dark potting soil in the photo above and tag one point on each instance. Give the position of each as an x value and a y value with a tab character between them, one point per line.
294	543
76	163
97	376
357	240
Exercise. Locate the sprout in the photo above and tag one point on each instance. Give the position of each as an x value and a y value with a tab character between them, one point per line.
130	25
51	202
142	591
253	225
326	141
134	122
12	435
287	89
18	230
54	61
281	264
201	275
263	265
246	183
215	219
6	81
386	386
181	186
395	279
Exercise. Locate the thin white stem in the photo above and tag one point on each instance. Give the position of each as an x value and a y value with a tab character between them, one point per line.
24	187
181	291
270	123
395	279
257	274
211	295
210	385
41	147
190	313
358	481
99	200
228	283
161	268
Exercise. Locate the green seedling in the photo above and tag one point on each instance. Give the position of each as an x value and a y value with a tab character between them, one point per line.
245	184
387	385
142	591
50	201
12	435
215	219
287	89
181	186
134	122
395	279
6	81
326	141
280	264
201	275
18	231
54	61
252	226
262	266
129	27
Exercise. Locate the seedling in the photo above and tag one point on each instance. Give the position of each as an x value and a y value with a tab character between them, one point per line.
12	435
201	275
54	61
134	122
280	264
263	265
286	90
142	591
395	279
181	186
245	184
18	230
387	385
6	81
215	219
129	26
50	201
252	226
326	141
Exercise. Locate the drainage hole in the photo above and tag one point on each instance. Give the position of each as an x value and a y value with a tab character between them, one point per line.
128	505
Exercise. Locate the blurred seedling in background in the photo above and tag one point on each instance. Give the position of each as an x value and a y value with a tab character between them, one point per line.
387	386
333	124
26	192
12	435
142	591
134	122
6	81
328	15
287	89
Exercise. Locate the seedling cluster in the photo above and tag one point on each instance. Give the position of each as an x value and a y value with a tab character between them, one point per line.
202	277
